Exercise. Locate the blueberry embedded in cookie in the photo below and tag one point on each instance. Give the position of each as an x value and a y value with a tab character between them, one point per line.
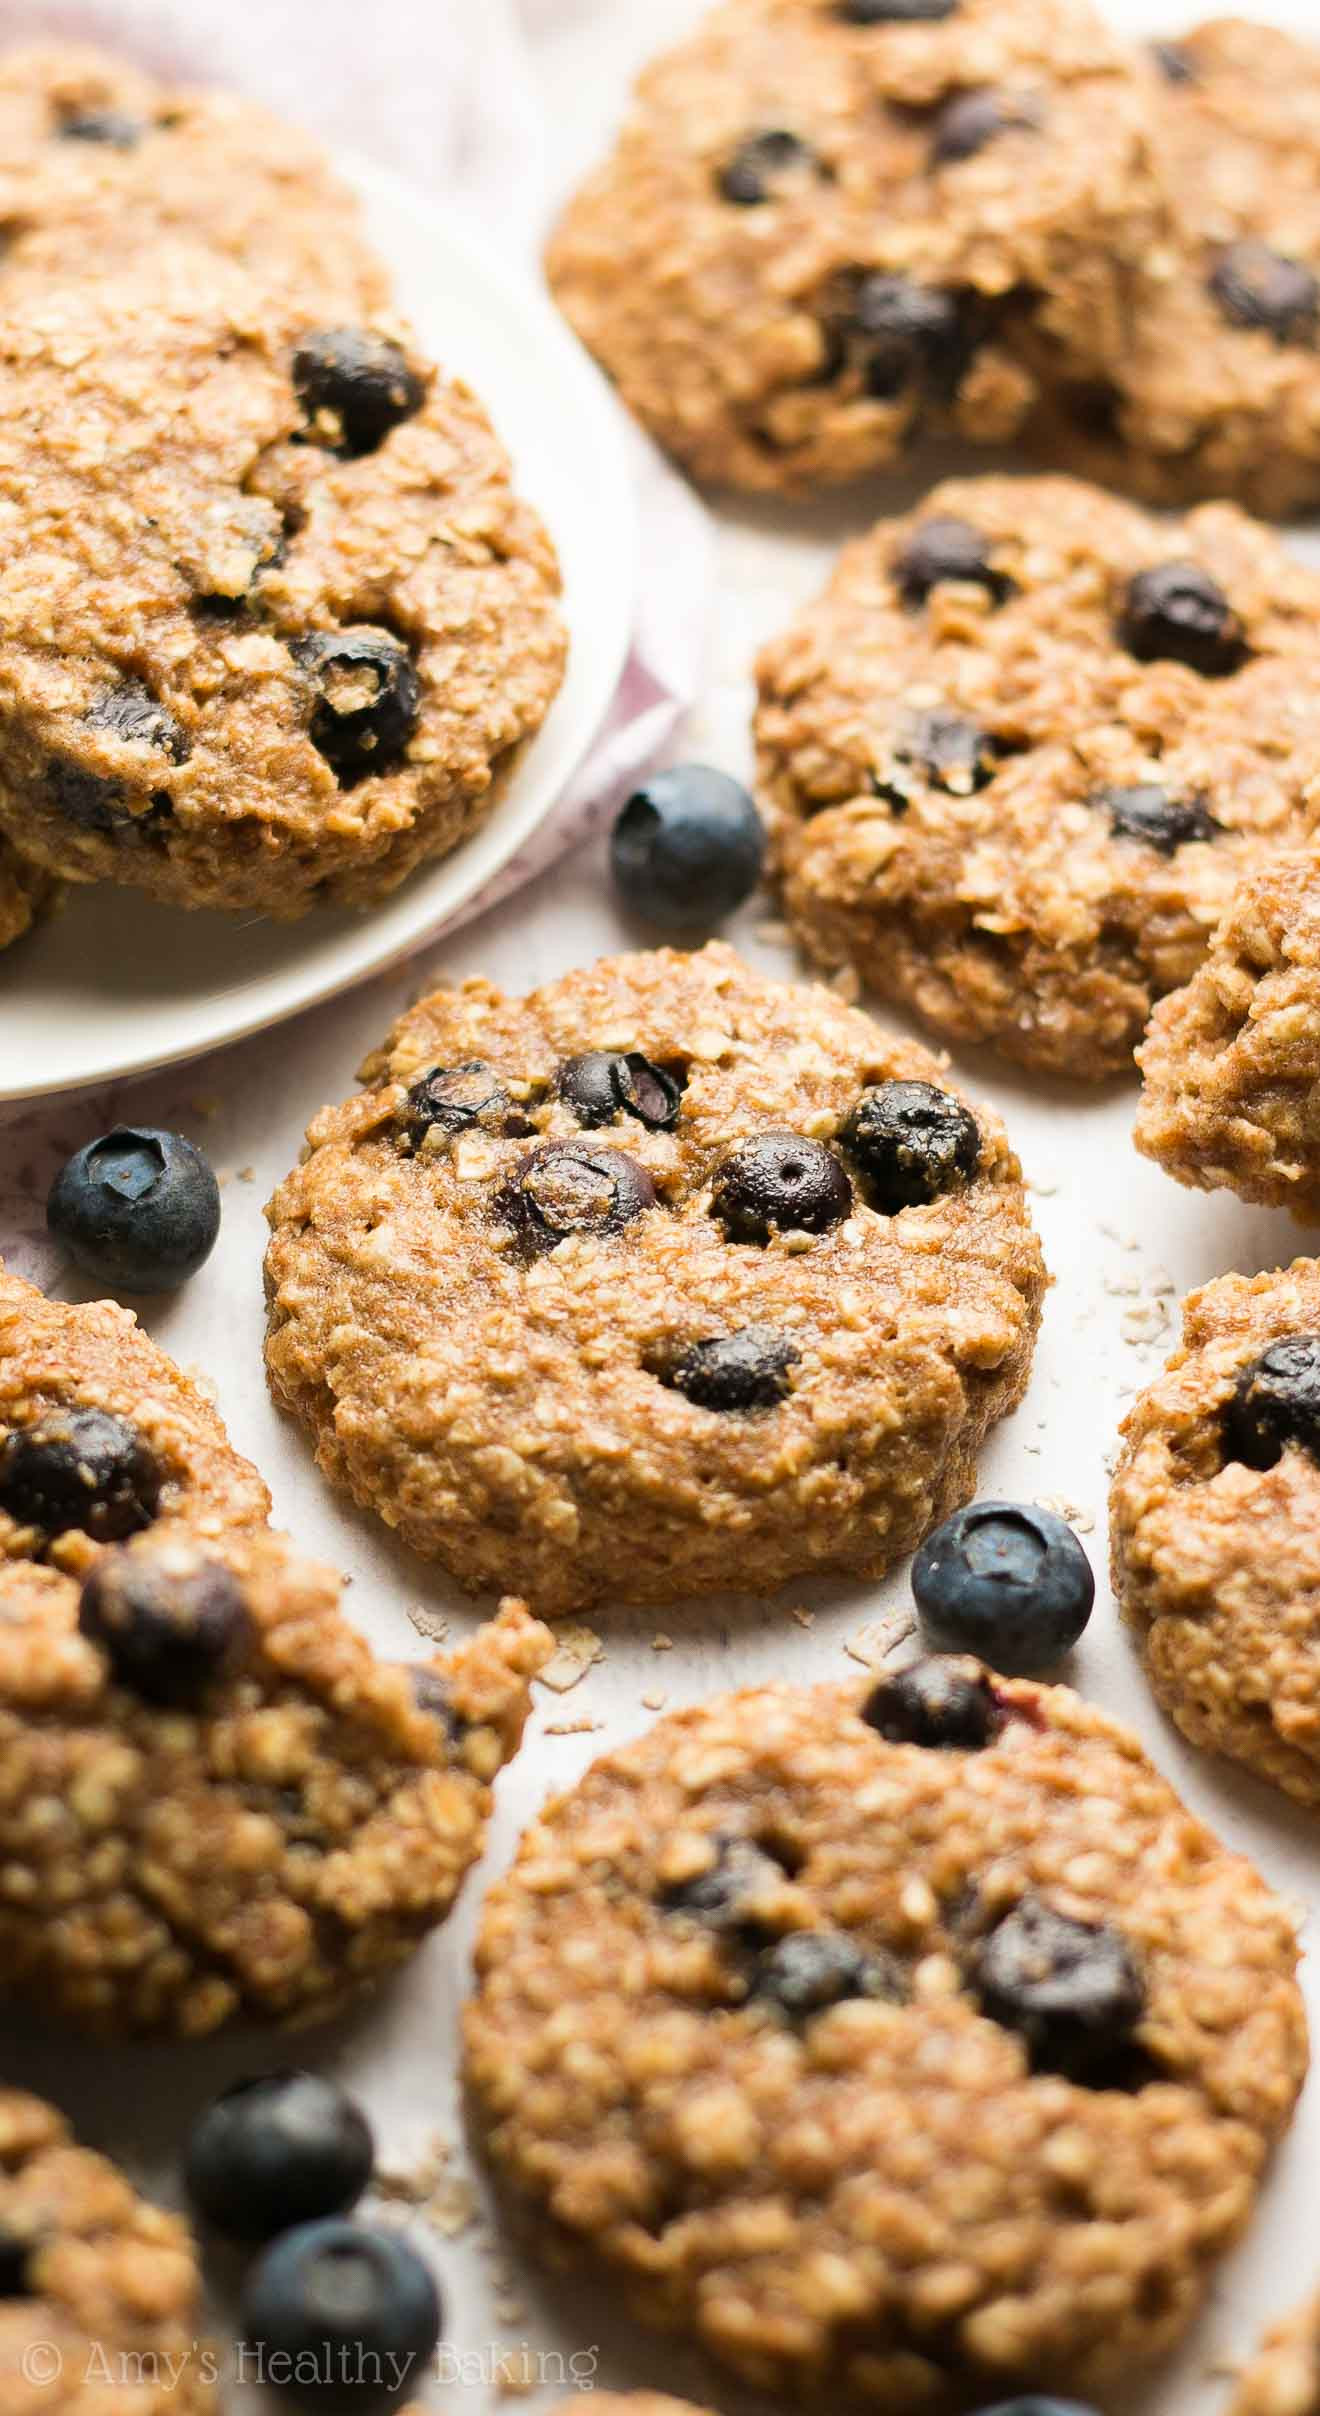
1283	2378
1023	750
344	621
92	2279
666	1267
1231	1063
824	228
1215	1512
853	1985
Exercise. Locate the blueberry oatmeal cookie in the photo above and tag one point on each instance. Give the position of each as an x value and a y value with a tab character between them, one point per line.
1215	389
664	1278
1215	1525
888	2036
1283	2378
276	621
95	2282
825	223
1022	751
98	160
215	1802
1231	1063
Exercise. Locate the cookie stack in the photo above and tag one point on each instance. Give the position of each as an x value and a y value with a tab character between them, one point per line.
276	620
832	225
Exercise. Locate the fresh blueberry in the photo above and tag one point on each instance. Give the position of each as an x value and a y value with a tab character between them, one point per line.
1070	1989
1006	1582
1177	613
457	1099
1154	817
355	2309
270	2153
15	2265
761	163
747	1370
808	1970
568	1187
604	1085
946	549
1259	288
779	1183
687	849
936	1704
79	1470
355	387
368	698
912	1144
138	1210
1275	1402
112	127
171	1623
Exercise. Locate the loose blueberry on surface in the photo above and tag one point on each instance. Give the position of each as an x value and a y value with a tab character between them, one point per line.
112	127
944	548
355	387
1175	62
912	1144
15	2262
913	336
944	750
568	1187
169	1628
80	1469
1070	1989
604	1084
1155	818
138	1210
687	849
747	1370
450	1100
270	2153
934	1703
1275	1402
1178	613
971	121
368	700
352	2304
1260	288
779	1183
719	1896
1006	1582
93	801
896	12
808	1970
761	163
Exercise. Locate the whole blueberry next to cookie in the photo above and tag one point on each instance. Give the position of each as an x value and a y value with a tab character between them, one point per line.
1007	1582
288	2148
353	2303
687	849
138	1209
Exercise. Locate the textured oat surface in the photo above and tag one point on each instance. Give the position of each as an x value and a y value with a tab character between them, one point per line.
1215	387
1283	2379
736	329
1217	1565
1231	1063
184	544
110	2284
884	2193
1005	894
518	1418
24	890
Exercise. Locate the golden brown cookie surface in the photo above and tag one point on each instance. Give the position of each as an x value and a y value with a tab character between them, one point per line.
1283	2378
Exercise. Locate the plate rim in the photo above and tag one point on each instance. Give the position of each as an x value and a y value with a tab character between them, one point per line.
497	840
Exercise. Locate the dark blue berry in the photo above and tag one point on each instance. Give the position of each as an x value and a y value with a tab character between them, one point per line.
567	1187
111	127
457	1099
368	698
432	1696
912	1144
1035	2405
761	163
340	2312
809	1970
687	849
98	801
721	1895
1006	1582
603	1085
1154	817
943	750
170	1624
355	387
747	1370
896	12
1178	613
912	337
1070	1989
970	121
1175	62
15	2265
936	1704
1258	288
79	1470
779	1183
944	549
270	2153
138	1210
1275	1402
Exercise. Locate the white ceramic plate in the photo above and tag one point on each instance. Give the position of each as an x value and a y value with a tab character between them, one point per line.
116	984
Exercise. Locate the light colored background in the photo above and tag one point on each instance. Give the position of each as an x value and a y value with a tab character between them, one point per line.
1121	1241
